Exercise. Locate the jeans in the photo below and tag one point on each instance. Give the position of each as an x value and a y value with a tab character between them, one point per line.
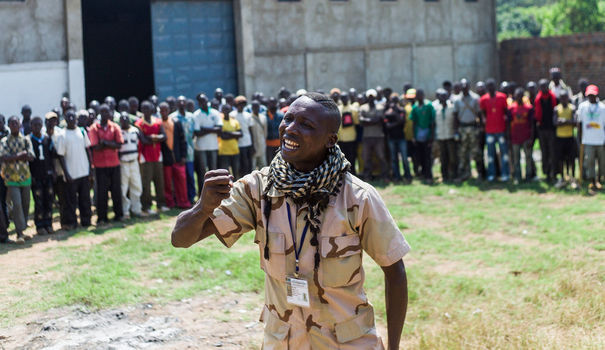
399	147
245	161
350	151
42	191
490	141
232	161
77	192
109	181
204	160
190	181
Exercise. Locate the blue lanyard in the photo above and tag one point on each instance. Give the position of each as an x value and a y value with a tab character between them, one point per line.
302	238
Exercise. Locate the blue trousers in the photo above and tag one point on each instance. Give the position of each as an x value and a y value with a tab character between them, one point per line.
190	181
399	147
491	140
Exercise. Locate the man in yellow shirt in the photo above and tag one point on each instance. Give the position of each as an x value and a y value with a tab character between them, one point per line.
565	145
347	135
228	149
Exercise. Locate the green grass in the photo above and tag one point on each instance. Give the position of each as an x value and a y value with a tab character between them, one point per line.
492	266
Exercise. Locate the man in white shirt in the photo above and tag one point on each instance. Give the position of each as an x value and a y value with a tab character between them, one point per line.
245	143
591	117
130	174
72	149
207	124
444	127
259	135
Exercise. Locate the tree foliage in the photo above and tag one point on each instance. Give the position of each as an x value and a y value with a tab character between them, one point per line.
534	18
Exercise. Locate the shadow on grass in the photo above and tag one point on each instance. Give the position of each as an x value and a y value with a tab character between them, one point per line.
63	235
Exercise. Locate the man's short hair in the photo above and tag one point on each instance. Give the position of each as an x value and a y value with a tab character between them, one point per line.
329	105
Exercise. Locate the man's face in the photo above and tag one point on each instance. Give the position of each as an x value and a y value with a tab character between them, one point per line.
344	98
36	126
180	103
154	99
218	94
255	108
335	96
50	125
272	104
306	133
556	76
591	98
564	99
147	110
491	87
240	106
164	110
70	118
202	101
419	96
133	106
26	112
14	125
105	114
124	122
465	88
544	88
65	103
226	109
111	102
83	120
519	96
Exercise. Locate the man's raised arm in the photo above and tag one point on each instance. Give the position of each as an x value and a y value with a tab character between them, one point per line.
193	225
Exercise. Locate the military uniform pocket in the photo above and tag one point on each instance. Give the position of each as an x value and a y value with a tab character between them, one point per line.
356	327
341	260
276	331
275	266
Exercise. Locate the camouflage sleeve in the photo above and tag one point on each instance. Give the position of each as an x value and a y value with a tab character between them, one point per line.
237	214
380	236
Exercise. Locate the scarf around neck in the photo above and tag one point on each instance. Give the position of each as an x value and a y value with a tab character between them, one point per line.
313	188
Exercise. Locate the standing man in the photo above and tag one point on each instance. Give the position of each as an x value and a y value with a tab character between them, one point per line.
207	124
130	174
591	119
228	149
557	85
467	115
395	120
444	129
423	117
565	142
347	134
521	129
105	140
544	113
274	118
26	112
259	138
42	172
371	119
313	270
15	153
174	156
150	158
246	142
495	111
186	120
73	152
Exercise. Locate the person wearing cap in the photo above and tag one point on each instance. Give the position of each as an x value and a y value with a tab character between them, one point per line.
408	129
467	115
591	129
557	85
246	142
372	121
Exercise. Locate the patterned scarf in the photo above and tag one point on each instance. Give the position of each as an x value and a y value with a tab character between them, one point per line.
313	188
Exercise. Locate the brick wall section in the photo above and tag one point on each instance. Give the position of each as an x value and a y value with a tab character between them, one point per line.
578	56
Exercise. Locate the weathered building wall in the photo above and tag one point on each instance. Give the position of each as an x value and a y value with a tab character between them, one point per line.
578	56
39	54
321	44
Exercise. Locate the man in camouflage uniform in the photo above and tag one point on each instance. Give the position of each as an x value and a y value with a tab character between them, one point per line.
278	202
466	113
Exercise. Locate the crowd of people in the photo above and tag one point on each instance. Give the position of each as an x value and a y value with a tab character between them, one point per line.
122	149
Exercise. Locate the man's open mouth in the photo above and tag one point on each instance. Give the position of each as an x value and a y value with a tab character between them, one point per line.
290	145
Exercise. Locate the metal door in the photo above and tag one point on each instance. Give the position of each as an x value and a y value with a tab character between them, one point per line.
193	47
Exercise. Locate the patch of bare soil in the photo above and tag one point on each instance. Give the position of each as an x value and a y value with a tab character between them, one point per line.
214	321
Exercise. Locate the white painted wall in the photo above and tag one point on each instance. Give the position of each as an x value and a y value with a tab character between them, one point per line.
39	84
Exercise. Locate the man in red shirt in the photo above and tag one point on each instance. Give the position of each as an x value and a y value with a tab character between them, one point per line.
105	140
494	110
151	158
521	131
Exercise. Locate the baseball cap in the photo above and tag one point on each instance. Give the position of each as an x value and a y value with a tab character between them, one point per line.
411	93
592	90
240	99
335	90
371	92
51	115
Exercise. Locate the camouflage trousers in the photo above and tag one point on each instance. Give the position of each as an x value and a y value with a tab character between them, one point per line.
469	149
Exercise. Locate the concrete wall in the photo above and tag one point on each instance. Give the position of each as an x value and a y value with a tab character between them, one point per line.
40	54
320	44
578	56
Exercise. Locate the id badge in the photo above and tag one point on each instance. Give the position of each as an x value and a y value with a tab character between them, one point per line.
297	291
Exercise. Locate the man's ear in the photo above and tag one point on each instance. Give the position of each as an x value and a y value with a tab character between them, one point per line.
332	140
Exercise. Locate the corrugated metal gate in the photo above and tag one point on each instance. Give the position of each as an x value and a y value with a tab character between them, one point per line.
193	47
